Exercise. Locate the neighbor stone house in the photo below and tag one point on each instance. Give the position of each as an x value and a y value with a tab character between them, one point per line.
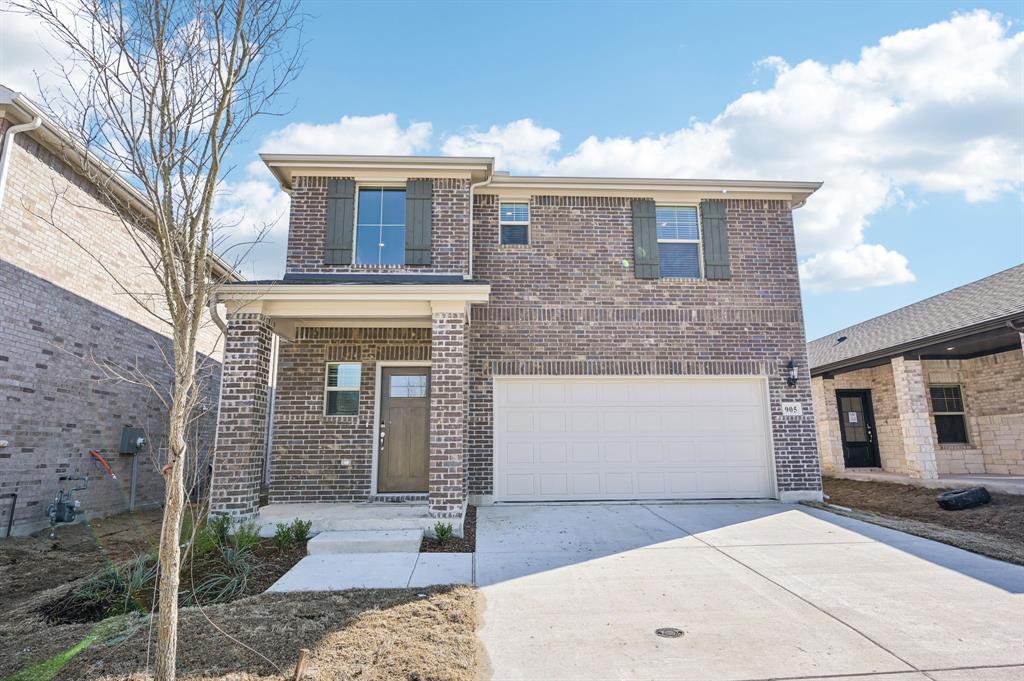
66	327
452	334
929	390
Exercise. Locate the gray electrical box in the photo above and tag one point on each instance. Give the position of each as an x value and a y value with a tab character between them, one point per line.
132	440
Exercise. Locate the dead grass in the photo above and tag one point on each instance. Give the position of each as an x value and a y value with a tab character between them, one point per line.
409	634
995	529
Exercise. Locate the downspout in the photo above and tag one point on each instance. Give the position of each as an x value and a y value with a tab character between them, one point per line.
5	155
490	176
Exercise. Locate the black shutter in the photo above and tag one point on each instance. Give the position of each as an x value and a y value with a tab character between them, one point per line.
418	216
645	240
716	240
341	208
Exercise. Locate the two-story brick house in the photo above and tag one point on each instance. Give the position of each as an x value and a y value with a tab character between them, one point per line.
450	334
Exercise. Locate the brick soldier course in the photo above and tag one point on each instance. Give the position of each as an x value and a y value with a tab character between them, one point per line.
569	304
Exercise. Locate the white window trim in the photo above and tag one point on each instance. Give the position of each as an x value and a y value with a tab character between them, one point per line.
962	414
329	389
516	223
699	240
355	218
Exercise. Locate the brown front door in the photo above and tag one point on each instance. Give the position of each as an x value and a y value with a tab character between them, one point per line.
404	429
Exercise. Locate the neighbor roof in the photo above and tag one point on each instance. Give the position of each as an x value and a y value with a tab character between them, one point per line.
988	302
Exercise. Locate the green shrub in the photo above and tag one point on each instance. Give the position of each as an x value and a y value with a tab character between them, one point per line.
246	537
443	533
300	529
220	528
119	589
283	537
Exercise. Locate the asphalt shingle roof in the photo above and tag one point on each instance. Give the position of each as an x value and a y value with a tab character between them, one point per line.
995	297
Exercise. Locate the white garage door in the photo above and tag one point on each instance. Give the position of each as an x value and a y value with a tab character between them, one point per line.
576	438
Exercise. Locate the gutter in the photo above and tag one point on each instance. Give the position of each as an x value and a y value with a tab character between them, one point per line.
483	183
5	155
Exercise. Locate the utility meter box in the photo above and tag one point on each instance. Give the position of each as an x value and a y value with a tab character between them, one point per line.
132	440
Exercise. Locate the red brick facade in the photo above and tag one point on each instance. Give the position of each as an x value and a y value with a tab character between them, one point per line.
568	303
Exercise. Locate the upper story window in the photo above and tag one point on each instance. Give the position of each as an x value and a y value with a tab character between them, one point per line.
678	241
380	226
514	223
948	412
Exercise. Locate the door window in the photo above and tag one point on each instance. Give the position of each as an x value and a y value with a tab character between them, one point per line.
853	419
408	386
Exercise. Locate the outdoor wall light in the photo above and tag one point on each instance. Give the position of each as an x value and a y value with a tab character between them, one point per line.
791	375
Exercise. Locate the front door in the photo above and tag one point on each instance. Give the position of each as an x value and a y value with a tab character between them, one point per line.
404	429
857	424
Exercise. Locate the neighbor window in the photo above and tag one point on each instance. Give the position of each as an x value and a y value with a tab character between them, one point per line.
341	397
678	241
948	411
380	226
514	219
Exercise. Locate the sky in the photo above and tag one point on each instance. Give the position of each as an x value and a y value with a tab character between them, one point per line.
911	113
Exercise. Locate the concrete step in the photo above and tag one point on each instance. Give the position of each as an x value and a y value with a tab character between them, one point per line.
365	541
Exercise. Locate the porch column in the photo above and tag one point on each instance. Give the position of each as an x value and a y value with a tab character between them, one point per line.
446	480
915	421
242	419
823	392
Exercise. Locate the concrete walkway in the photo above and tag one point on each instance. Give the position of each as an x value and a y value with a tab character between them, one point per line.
340	571
760	591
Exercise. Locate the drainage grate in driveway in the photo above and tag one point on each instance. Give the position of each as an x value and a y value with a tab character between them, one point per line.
669	632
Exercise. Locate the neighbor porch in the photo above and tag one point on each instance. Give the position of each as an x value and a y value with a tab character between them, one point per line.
355	416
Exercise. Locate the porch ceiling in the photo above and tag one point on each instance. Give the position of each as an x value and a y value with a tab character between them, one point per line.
354	305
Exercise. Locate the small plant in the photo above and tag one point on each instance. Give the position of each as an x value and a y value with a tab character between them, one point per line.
220	528
231	583
283	537
443	533
197	537
300	529
246	537
115	590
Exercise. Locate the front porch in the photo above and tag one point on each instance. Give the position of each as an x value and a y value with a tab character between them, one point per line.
361	406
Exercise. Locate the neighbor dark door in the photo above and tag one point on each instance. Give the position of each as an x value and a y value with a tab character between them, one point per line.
404	429
857	424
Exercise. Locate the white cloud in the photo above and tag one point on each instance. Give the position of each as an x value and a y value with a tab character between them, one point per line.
29	54
381	134
522	146
854	269
249	209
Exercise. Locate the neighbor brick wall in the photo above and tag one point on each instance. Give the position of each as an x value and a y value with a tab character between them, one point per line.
308	216
309	449
62	318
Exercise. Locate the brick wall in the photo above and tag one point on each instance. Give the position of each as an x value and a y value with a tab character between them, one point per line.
308	216
310	450
62	319
447	473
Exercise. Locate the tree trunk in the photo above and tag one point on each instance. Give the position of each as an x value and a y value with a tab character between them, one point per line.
170	531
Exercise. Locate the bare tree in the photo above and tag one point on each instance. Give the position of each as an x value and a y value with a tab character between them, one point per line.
158	91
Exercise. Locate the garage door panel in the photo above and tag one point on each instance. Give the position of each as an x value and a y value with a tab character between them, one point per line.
630	438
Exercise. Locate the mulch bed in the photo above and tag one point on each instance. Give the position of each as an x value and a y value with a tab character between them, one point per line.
463	544
995	529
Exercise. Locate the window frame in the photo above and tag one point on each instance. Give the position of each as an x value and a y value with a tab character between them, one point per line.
962	414
355	219
699	240
515	223
329	389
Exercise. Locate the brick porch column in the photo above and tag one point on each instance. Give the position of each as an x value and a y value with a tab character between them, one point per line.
915	422
446	480
242	419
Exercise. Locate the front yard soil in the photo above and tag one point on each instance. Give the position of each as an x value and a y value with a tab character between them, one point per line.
464	544
995	529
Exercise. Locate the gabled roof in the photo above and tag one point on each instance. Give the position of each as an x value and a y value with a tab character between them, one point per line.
988	302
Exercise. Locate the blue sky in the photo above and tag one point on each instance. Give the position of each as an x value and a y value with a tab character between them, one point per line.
911	112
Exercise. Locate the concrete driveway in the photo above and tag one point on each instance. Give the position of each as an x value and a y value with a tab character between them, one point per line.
760	590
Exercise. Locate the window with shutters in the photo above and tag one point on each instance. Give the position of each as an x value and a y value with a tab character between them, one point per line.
948	412
514	221
341	392
679	246
380	226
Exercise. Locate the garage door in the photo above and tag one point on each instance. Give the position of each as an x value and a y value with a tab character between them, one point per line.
578	438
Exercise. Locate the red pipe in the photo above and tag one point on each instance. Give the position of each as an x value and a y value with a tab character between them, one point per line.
103	462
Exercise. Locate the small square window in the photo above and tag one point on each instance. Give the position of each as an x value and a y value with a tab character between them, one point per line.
948	412
341	392
514	223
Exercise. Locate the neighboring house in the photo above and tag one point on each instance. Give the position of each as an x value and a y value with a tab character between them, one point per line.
932	389
453	334
65	326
